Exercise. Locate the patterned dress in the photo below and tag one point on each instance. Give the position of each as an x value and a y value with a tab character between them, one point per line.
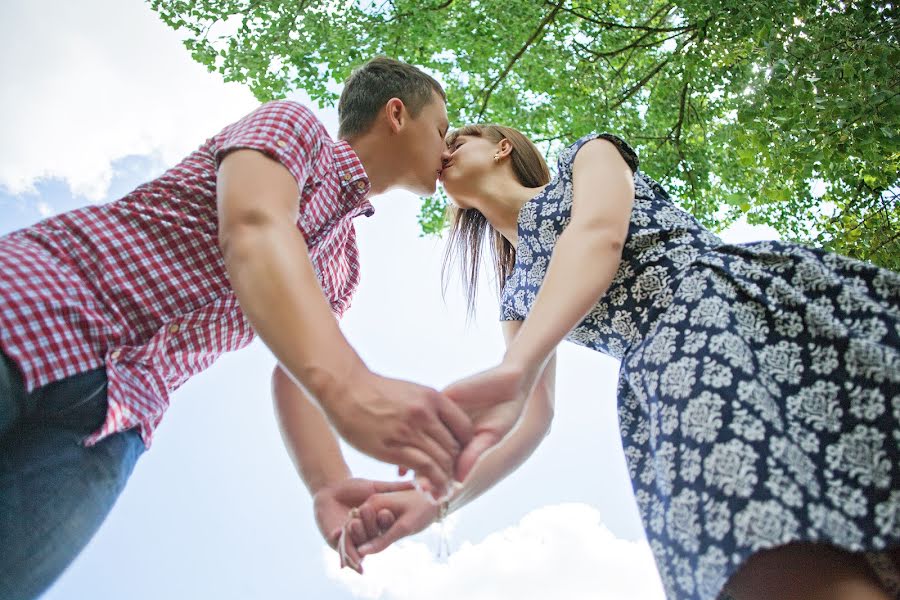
759	390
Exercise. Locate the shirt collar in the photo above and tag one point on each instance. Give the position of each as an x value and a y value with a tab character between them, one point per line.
354	182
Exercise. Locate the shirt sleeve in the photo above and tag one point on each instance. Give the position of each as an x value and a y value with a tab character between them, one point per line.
282	130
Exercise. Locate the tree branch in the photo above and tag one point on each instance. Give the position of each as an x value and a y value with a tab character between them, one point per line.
637	86
441	6
681	104
884	243
635	44
624	64
487	94
613	25
656	69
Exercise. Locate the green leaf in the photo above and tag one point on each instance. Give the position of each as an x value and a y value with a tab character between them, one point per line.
827	110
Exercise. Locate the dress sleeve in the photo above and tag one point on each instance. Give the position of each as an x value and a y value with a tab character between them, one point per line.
282	130
507	301
567	158
508	314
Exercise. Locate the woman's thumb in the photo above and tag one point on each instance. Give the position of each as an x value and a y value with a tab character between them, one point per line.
469	457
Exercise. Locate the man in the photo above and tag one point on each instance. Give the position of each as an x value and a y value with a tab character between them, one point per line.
105	310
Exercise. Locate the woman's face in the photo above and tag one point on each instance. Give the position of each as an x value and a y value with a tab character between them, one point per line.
471	158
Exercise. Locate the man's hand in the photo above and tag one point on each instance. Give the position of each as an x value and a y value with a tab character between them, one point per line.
332	505
401	423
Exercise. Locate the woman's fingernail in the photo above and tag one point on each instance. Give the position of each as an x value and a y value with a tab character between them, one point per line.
364	549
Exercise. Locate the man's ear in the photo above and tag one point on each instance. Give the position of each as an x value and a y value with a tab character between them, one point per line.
395	112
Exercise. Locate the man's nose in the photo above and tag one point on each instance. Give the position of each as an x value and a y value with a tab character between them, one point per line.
445	156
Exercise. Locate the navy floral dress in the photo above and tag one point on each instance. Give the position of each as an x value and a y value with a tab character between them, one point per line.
759	390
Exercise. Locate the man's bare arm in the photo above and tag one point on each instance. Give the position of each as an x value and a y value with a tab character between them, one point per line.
269	267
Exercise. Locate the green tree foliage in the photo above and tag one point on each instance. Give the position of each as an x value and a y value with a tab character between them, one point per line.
786	112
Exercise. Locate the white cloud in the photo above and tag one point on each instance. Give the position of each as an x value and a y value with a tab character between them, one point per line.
89	82
561	551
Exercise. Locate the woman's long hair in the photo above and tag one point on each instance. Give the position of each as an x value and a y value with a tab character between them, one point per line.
468	226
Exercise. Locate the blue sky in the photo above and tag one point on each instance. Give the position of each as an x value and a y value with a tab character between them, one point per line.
101	96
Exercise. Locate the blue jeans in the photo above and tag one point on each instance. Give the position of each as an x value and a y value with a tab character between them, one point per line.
54	492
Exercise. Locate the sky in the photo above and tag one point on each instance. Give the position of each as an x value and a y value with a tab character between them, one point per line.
100	96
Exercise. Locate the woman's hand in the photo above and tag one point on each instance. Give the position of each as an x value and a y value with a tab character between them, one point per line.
494	399
333	503
397	515
401	423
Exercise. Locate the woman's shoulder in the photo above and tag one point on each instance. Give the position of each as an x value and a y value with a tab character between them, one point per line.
567	156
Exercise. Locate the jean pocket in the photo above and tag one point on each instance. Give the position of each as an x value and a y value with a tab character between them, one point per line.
79	400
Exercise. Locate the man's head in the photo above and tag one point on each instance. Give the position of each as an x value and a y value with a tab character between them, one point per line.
404	111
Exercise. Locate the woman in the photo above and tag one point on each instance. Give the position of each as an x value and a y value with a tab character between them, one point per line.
759	391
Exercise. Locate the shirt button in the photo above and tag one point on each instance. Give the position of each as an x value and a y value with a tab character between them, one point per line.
347	177
281	143
360	185
173	328
115	354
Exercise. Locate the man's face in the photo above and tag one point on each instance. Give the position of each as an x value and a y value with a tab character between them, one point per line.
424	148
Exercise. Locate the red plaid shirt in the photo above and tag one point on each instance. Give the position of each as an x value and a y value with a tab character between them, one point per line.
138	286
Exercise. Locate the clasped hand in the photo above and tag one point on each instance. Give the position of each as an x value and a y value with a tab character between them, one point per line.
359	517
